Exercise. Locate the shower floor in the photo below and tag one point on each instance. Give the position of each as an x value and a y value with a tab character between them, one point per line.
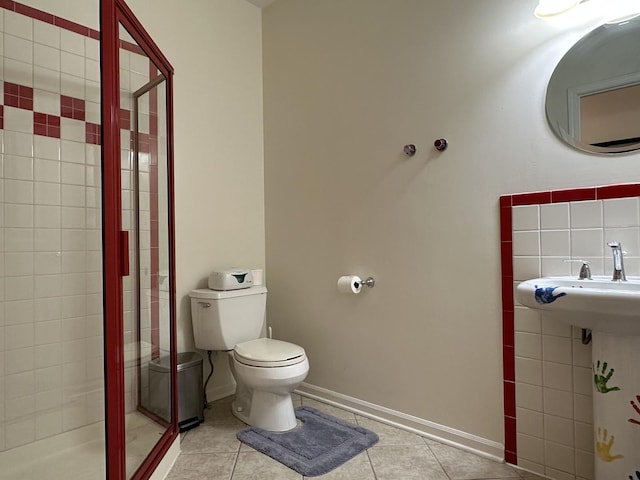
78	454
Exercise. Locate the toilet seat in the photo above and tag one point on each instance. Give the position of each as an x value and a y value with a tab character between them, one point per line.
266	352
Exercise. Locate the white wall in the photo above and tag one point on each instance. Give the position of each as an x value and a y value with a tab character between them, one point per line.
215	49
347	84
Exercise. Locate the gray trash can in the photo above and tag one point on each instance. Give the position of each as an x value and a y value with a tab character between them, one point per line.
190	391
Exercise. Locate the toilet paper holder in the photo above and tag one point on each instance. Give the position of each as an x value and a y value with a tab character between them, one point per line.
369	282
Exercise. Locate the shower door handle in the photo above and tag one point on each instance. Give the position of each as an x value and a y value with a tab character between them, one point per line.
124	253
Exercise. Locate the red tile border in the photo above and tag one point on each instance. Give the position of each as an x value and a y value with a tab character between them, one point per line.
49	18
1	117
46	125
573	195
531	198
618	191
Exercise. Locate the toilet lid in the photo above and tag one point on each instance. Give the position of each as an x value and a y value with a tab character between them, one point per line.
266	352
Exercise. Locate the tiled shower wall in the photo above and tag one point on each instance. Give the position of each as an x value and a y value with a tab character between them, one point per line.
51	360
551	370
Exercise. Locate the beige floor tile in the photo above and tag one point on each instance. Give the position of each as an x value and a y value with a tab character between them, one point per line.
389	435
461	465
216	466
358	468
209	438
257	466
406	462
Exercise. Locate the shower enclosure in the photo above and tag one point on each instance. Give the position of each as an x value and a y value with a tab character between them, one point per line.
86	242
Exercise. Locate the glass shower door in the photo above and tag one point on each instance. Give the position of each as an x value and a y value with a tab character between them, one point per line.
146	218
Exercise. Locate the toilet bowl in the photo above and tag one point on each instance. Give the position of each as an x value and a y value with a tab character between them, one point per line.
267	371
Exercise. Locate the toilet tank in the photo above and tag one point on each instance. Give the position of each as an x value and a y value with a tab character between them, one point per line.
221	319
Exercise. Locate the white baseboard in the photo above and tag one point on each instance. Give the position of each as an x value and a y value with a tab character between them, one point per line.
434	431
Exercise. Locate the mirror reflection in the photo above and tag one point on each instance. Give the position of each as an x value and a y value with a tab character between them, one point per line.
593	96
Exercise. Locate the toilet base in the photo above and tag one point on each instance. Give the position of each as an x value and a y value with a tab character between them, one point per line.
272	412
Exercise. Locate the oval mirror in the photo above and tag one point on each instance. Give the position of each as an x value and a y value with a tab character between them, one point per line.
593	96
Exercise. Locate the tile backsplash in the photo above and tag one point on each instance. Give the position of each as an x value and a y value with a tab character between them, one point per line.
548	370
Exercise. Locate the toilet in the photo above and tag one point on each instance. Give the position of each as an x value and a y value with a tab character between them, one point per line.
266	371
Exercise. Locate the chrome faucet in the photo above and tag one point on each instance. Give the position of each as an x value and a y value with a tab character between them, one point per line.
618	262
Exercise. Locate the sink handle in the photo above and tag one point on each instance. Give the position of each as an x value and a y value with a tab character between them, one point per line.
585	269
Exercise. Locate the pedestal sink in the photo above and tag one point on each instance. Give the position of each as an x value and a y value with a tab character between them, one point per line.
611	309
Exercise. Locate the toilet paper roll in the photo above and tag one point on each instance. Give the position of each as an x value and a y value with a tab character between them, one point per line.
349	284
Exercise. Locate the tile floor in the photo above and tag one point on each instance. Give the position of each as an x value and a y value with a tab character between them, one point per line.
212	452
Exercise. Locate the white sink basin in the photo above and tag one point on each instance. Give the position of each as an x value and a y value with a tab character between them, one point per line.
599	304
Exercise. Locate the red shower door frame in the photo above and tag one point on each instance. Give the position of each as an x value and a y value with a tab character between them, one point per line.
115	246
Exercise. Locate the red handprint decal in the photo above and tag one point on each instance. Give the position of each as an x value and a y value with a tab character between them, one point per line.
636	406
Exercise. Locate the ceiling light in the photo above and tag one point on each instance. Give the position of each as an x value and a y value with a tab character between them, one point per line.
551	8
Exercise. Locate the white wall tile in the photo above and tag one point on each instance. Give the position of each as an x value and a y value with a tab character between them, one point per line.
18	25
530	448
559	457
46	170
18	144
18	216
585	465
46	57
558	402
587	243
620	212
18	48
46	34
557	376
47	332
555	266
47	216
586	214
47	263
46	193
18	72
73	130
72	42
47	148
581	354
46	240
557	349
19	312
554	216
18	337
555	243
559	430
19	288
19	360
18	120
526	243
46	79
528	371
529	396
46	102
584	436
529	422
72	64
18	239
525	268
71	85
18	264
72	151
525	217
18	168
528	345
582	380
527	320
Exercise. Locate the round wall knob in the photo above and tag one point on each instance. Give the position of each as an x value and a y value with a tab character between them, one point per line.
440	144
409	150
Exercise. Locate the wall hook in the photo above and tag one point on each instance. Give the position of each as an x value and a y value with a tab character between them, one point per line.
409	150
440	144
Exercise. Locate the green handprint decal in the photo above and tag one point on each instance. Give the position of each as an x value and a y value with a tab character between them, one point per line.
603	446
601	379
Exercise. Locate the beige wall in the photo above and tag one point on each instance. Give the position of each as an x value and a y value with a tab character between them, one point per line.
215	49
347	84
